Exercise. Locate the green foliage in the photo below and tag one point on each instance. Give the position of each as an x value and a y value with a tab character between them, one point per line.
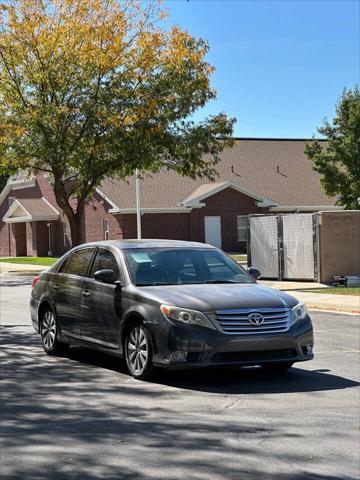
3	180
338	161
96	89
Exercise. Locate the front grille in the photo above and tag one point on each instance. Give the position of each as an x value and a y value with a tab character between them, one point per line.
236	322
254	356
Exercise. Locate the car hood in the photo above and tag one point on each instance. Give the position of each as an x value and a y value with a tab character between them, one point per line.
209	297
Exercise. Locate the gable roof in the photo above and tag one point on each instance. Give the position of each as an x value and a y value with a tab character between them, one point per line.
31	210
276	170
208	189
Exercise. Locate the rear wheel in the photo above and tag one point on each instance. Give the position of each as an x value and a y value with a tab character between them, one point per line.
49	333
278	367
138	352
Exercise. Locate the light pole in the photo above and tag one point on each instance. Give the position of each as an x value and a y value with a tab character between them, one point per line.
50	242
138	211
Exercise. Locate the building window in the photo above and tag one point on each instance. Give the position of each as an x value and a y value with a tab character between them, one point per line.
65	234
242	228
106	229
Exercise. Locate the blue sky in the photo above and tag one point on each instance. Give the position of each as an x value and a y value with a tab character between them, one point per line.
280	65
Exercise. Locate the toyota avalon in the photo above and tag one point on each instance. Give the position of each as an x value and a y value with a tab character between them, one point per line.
164	303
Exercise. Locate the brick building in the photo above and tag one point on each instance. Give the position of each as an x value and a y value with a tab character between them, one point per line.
255	176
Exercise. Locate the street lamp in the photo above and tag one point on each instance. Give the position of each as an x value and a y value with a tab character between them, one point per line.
50	242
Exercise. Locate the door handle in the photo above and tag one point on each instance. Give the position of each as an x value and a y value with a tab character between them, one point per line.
56	286
86	293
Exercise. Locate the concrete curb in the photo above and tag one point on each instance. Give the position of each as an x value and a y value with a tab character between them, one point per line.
22	273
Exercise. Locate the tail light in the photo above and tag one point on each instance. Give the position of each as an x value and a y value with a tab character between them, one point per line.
35	281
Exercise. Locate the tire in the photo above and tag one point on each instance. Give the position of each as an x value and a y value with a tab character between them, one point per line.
278	367
138	352
49	333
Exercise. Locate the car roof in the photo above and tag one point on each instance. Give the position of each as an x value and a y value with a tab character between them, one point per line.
148	243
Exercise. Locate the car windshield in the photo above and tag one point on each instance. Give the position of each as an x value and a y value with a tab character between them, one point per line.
164	266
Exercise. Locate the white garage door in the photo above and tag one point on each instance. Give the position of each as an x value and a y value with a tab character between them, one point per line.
264	245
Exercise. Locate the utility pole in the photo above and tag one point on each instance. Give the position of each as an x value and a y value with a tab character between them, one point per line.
138	211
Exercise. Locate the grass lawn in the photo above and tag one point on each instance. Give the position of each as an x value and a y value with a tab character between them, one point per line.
338	290
45	261
238	257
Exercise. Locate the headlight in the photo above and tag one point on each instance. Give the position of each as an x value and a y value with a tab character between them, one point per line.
191	317
299	312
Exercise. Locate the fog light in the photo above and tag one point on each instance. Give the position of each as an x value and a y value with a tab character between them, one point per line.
307	349
179	356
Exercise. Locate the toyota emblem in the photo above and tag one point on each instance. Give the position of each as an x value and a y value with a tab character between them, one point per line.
255	319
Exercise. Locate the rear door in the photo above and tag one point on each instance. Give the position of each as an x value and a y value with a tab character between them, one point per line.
66	289
101	303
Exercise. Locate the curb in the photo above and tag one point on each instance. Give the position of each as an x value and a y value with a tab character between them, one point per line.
21	273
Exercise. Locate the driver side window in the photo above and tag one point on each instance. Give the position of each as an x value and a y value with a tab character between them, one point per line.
105	260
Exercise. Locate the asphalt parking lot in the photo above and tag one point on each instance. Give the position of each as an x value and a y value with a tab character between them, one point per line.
82	417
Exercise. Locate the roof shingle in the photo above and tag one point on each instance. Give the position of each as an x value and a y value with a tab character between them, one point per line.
277	169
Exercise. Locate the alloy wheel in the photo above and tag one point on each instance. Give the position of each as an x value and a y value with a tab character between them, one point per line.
137	350
48	330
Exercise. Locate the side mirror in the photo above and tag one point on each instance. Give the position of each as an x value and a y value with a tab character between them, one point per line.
254	272
105	276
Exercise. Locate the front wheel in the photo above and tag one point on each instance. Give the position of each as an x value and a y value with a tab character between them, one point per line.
278	367
49	334
138	352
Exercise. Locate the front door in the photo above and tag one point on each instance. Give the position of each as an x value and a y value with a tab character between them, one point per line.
66	287
213	231
101	304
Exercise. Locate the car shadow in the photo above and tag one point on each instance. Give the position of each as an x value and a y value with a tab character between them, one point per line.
249	380
73	418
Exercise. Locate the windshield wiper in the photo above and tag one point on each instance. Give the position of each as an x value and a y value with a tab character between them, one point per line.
220	281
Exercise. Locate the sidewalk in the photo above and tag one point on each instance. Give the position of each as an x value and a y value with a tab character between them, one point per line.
20	269
331	302
317	301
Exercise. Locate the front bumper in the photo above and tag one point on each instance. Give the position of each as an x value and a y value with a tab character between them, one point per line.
203	347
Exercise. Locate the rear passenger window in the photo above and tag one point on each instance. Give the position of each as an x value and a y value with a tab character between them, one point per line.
78	263
105	260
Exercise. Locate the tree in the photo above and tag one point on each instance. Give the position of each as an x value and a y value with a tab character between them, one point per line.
3	181
338	160
97	88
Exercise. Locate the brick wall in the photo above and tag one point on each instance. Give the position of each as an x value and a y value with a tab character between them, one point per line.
7	232
227	204
339	244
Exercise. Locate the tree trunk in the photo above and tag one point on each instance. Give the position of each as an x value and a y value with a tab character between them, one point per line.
75	229
75	218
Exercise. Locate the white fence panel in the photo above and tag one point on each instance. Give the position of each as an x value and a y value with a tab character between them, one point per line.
298	247
264	245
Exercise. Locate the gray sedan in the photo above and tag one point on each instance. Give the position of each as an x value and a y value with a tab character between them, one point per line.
163	303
